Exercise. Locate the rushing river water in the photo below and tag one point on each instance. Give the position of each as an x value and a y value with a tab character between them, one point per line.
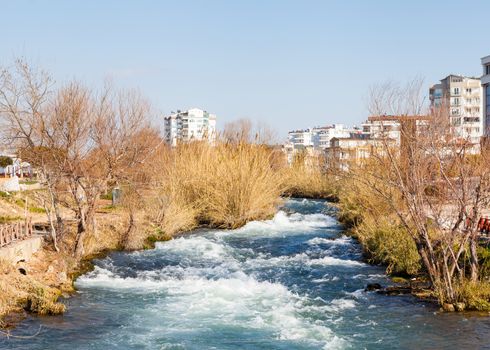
294	282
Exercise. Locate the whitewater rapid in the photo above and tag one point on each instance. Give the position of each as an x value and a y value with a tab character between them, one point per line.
212	283
293	282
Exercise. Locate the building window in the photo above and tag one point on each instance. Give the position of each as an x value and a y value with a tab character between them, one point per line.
456	91
487	69
487	99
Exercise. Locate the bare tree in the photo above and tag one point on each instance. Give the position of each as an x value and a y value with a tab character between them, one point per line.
81	142
24	92
434	181
244	130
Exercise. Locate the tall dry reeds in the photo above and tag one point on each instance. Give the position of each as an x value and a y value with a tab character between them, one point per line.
306	177
223	185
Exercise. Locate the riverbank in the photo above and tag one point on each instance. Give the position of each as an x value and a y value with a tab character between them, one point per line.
224	185
294	282
387	240
34	286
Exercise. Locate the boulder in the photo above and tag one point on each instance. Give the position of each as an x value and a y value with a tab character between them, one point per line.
448	307
372	286
460	306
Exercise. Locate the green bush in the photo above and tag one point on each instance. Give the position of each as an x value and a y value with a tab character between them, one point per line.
107	196
389	244
20	202
7	219
484	255
37	210
5	161
474	295
29	182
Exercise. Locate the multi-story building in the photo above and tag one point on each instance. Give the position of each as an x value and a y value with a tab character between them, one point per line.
391	126
191	125
327	133
315	140
460	97
302	138
300	141
319	137
485	83
356	149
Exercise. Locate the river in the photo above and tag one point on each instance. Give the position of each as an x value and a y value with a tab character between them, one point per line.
293	282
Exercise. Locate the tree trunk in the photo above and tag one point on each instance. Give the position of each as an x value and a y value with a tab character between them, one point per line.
428	262
126	235
81	232
474	257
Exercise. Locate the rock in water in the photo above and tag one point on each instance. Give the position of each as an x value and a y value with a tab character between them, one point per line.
372	286
448	307
460	306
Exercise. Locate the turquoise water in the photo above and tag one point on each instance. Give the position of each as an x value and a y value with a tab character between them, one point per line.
294	282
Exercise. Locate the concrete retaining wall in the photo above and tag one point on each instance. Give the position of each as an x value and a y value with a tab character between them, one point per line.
21	250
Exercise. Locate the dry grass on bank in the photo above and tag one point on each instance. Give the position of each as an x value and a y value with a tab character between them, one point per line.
306	178
19	292
223	186
377	227
385	241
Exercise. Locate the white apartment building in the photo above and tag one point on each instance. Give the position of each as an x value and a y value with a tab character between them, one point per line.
193	124
390	126
303	138
315	140
485	84
319	137
325	134
344	152
462	97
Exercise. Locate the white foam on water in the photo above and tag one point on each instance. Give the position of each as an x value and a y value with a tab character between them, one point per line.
239	300
194	246
368	277
330	260
282	224
325	279
342	304
301	258
277	261
216	293
358	294
343	240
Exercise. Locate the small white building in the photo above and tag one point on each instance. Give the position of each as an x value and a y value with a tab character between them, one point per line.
191	125
17	166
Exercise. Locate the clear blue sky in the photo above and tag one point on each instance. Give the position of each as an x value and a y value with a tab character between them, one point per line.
291	64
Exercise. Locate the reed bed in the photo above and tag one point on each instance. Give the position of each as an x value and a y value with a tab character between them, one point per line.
307	177
223	186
